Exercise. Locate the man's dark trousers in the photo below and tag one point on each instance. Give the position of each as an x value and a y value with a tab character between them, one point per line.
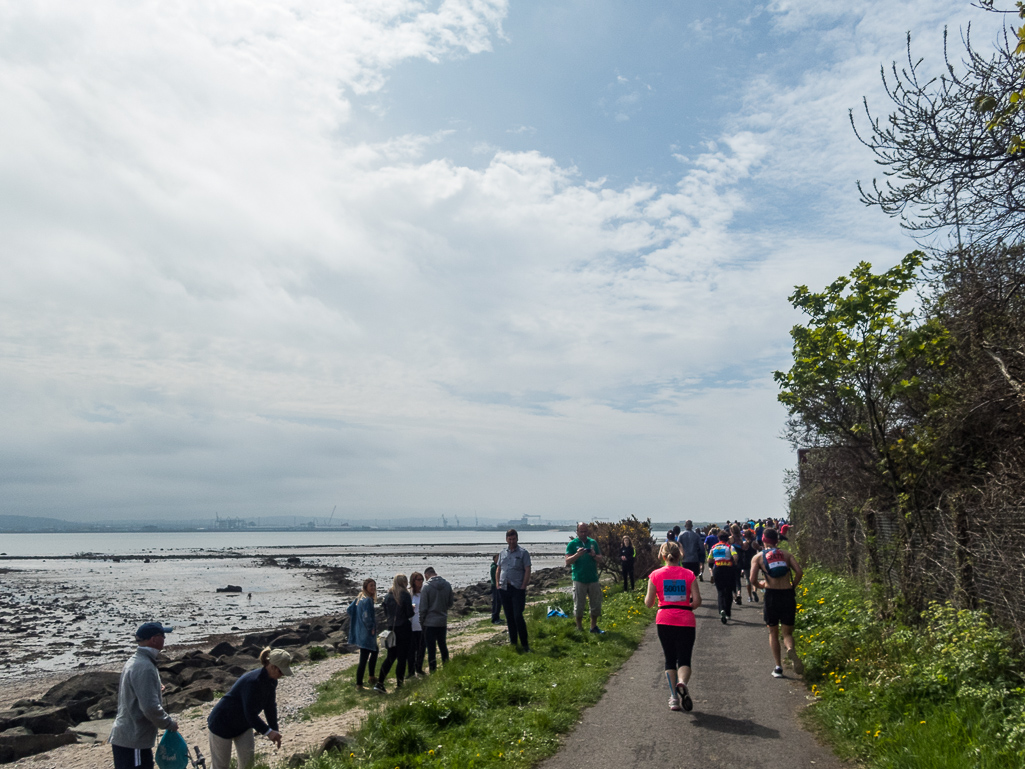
496	604
514	601
435	636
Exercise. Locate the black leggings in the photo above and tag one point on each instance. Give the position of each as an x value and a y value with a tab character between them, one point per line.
725	577
398	653
677	645
366	655
628	571
415	661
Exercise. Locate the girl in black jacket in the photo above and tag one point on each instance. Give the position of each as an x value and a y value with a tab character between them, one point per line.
398	610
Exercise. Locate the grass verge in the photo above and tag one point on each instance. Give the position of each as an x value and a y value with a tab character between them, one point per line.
943	695
491	706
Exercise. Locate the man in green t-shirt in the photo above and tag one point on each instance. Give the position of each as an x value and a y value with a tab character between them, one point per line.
583	556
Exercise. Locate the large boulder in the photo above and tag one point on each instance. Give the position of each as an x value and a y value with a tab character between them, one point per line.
289	639
230	589
104	709
82	691
239	660
200	658
15	746
260	640
52	720
217	678
188	698
222	649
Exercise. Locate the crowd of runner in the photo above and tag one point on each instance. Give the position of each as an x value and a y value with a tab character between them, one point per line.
739	555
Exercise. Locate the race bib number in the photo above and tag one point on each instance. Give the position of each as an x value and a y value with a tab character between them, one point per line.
674	590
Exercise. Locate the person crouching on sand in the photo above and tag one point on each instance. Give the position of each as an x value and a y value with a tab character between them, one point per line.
237	714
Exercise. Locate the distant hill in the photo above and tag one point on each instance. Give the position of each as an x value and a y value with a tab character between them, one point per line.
25	523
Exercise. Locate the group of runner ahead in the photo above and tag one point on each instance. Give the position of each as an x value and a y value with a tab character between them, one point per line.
733	552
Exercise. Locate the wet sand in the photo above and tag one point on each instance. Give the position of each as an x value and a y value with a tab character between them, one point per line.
61	615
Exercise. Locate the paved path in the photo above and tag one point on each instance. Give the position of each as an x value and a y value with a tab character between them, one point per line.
742	718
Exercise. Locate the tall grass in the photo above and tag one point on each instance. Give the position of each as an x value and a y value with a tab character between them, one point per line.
945	694
493	705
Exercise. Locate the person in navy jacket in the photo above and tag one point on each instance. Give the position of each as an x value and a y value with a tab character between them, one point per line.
237	714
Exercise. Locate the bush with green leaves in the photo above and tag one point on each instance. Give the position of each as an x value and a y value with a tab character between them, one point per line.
317	653
945	693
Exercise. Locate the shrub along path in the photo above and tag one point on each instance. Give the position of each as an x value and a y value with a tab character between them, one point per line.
742	717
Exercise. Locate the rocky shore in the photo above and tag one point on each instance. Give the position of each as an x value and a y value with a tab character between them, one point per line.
81	707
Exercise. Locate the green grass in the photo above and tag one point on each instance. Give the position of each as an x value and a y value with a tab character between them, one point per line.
491	706
942	695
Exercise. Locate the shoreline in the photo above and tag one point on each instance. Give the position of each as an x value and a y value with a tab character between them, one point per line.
195	672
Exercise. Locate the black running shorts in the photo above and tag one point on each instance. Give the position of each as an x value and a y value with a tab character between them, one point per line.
780	607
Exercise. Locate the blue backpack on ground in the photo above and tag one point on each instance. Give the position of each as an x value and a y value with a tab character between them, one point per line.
555	611
172	752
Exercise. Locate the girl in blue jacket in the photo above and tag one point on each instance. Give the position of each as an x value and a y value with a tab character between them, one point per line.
363	630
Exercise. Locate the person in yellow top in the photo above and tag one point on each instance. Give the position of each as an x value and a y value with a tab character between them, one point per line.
723	560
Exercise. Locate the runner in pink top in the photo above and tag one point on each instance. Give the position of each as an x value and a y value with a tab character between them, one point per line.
676	592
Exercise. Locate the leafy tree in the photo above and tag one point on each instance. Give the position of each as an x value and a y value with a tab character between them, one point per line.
860	381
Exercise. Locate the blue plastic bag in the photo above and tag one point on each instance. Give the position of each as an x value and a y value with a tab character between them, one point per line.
172	752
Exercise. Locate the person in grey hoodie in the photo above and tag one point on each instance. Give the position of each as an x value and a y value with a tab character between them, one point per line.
435	600
140	709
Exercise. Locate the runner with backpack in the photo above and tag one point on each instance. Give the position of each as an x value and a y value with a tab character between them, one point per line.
782	575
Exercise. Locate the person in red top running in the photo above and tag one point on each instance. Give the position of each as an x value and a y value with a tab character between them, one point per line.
675	590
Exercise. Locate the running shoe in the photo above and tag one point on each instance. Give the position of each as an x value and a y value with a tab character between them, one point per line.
685	700
777	672
379	688
736	600
798	664
597	631
722	616
701	577
674	703
756	596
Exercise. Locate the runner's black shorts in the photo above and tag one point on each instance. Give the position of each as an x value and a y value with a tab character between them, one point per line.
780	607
677	645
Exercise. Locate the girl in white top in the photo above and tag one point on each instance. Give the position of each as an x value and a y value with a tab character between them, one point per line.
416	648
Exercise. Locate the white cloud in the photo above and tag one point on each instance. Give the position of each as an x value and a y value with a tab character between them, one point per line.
215	296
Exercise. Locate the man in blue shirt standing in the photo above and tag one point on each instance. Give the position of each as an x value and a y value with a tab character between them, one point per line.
512	577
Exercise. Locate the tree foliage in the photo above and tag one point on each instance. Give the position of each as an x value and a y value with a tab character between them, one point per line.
610	537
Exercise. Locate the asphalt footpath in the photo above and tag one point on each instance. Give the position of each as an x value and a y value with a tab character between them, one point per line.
742	716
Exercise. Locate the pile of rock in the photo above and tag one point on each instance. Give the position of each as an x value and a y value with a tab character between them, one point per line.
35	726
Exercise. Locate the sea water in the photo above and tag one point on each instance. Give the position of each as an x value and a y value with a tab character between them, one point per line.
74	600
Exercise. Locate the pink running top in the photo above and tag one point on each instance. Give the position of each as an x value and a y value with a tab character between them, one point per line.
673	588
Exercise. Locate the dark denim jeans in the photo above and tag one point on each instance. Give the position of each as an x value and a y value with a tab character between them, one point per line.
514	601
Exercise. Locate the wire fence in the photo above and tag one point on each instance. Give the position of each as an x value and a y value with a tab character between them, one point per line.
970	551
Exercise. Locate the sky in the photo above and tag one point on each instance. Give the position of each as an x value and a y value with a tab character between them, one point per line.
412	258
